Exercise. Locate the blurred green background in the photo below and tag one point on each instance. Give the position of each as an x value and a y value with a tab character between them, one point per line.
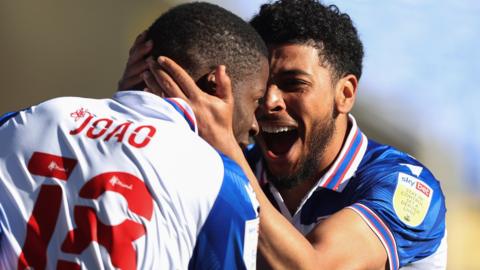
418	92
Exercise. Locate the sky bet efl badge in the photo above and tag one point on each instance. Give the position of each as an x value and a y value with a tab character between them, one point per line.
411	199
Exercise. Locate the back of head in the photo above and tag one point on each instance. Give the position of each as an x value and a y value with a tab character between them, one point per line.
200	36
312	23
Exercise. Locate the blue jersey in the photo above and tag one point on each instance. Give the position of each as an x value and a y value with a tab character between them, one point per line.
121	183
397	197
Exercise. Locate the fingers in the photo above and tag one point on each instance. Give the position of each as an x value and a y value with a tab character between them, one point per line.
132	75
140	51
151	84
135	69
159	81
129	83
136	64
138	40
224	87
180	76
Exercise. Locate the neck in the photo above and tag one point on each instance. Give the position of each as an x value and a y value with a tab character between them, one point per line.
294	196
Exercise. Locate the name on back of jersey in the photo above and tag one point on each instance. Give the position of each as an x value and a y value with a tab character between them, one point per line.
111	130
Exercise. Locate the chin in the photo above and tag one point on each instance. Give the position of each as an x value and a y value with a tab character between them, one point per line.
280	165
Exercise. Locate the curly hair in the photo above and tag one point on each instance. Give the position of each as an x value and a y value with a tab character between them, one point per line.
202	35
307	21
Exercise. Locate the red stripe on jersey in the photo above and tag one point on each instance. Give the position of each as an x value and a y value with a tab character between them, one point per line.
341	162
48	165
349	164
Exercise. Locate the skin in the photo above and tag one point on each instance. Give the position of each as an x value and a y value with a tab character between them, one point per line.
246	100
304	93
329	245
247	92
300	95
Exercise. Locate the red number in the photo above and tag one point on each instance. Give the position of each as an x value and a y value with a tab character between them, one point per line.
40	228
117	240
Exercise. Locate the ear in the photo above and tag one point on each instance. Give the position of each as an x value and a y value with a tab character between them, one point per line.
345	93
207	82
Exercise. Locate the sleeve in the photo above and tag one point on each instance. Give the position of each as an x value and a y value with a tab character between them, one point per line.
228	239
5	117
407	213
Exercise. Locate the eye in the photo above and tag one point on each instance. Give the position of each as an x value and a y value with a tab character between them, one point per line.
259	101
293	84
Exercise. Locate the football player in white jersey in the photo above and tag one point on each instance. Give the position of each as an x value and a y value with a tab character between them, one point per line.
126	182
354	203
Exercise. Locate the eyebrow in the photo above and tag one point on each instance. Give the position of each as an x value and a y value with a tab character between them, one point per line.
293	72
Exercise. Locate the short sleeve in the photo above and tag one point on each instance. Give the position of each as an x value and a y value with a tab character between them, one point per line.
406	210
5	117
228	239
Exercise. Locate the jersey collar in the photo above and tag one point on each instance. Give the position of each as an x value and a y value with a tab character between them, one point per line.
346	164
170	109
337	177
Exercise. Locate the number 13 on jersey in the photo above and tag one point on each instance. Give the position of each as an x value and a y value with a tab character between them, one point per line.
116	239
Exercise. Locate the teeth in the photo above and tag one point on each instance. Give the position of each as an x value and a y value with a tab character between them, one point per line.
276	129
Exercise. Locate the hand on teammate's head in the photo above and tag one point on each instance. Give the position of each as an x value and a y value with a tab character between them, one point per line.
136	63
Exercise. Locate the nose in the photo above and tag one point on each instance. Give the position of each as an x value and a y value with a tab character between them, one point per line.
273	100
254	129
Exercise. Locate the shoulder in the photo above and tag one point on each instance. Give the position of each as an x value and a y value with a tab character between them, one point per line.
402	199
238	182
391	180
232	221
61	104
384	168
54	110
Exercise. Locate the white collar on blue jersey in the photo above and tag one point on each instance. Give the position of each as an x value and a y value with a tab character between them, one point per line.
170	109
342	170
346	164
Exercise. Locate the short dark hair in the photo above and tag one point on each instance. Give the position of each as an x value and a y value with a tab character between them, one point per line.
202	35
304	21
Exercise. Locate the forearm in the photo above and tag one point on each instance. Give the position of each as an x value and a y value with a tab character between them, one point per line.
281	245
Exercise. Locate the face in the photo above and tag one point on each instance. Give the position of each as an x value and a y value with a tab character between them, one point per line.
297	117
247	94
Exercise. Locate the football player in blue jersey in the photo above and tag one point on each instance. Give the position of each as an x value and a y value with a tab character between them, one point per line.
332	198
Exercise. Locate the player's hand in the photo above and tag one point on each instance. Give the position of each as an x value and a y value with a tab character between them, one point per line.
214	111
136	63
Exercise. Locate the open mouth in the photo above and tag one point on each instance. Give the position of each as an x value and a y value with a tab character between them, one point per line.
279	140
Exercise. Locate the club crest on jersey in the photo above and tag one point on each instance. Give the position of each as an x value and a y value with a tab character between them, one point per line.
80	113
411	199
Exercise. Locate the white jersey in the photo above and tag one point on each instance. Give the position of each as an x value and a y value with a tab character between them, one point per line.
121	183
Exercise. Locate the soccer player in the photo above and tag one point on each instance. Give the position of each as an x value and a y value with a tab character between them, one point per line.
126	182
358	204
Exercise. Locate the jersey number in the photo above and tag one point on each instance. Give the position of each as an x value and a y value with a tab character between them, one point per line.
117	240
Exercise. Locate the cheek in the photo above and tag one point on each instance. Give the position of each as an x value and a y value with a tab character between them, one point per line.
296	108
240	122
315	108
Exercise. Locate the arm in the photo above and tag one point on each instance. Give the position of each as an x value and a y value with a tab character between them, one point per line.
344	241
